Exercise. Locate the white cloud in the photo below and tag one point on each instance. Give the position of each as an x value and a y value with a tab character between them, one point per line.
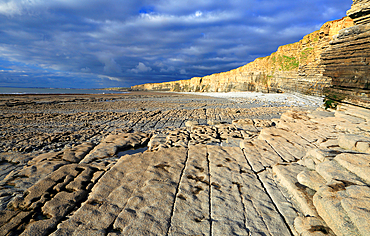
155	19
141	68
198	14
10	8
19	7
183	71
109	78
176	59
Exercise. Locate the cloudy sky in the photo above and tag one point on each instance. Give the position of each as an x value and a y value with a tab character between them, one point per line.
120	43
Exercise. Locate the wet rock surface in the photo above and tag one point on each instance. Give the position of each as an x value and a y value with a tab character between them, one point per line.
217	169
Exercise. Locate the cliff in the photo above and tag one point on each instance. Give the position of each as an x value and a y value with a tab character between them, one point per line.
294	67
347	59
360	11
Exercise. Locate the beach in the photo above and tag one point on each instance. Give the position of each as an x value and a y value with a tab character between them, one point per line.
151	163
39	123
212	118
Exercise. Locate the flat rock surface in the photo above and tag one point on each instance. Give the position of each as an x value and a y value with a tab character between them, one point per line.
211	169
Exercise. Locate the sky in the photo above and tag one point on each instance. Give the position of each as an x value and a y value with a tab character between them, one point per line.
120	43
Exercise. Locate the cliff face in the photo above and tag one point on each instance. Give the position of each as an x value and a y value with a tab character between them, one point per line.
347	59
360	11
293	67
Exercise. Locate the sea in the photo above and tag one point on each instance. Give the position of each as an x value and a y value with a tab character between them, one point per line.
14	90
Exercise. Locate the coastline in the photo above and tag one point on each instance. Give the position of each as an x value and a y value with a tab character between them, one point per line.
236	163
69	160
24	117
53	91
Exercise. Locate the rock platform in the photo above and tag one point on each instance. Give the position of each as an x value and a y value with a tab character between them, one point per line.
306	173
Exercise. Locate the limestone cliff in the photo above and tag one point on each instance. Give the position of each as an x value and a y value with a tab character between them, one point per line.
360	12
347	59
294	67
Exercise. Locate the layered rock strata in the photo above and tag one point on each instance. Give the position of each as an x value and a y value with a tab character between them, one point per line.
306	173
360	12
294	67
347	60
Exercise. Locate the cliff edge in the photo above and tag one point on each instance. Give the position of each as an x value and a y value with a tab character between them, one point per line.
294	67
347	60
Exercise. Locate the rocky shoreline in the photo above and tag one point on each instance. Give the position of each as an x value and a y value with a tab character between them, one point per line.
182	164
51	122
200	166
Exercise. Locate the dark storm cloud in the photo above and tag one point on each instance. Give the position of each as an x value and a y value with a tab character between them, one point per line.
96	43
